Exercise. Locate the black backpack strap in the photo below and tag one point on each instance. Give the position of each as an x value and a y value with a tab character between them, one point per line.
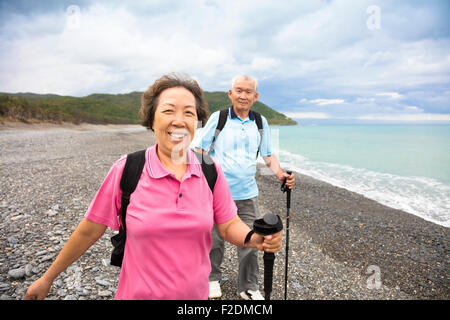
258	120
208	168
223	116
128	182
130	178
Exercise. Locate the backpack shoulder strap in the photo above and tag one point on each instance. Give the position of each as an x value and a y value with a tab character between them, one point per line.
223	116
130	178
208	168
258	120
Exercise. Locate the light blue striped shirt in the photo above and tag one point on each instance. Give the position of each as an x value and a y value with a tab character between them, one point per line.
235	149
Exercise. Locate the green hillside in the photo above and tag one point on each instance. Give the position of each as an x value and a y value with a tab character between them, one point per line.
102	108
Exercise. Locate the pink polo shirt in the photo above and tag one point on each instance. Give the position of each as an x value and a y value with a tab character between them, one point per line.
168	228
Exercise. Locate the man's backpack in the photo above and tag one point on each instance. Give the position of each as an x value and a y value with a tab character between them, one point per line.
223	116
128	182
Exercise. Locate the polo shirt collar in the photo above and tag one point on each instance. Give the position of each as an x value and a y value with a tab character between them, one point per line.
157	170
233	115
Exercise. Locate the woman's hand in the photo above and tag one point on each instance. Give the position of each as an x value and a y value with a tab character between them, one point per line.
234	231
38	290
85	235
270	243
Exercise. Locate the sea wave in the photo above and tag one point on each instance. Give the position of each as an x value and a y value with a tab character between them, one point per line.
421	196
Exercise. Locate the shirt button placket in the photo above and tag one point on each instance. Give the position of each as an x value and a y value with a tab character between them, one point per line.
180	197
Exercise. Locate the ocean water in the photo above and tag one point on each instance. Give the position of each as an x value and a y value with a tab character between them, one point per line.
405	167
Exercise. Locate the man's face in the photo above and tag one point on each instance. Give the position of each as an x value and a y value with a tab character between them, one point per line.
243	95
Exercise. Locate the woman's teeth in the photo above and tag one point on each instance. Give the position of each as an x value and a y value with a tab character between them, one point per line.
177	136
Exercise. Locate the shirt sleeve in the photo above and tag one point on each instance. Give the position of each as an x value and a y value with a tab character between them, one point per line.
204	136
105	206
223	204
266	143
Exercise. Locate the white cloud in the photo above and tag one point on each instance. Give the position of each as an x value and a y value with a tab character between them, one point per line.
322	102
364	100
112	50
390	95
264	64
413	108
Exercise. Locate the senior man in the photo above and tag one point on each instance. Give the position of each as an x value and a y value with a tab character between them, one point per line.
234	137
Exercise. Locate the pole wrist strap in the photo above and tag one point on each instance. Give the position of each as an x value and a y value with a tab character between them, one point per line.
249	235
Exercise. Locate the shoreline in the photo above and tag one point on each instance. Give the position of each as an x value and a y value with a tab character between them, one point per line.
336	234
8	125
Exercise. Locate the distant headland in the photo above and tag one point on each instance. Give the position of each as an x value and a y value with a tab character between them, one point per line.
102	108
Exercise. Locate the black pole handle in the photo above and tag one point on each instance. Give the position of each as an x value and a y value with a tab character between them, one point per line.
284	188
283	185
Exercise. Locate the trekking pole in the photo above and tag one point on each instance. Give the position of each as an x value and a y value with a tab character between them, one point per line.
269	224
284	188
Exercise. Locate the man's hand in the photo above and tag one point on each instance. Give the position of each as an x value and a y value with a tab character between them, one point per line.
290	179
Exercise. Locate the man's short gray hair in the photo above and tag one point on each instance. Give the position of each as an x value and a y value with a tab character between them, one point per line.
245	77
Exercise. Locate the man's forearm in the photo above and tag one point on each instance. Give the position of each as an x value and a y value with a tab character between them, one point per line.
274	165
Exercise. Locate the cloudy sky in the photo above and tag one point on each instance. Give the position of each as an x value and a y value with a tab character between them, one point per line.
321	60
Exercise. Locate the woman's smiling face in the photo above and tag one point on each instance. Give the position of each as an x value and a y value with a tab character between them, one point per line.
175	119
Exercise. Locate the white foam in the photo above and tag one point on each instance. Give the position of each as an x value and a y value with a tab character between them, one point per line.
421	196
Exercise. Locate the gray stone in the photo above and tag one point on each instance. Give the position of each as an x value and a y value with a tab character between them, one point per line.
51	213
105	293
58	283
18	217
103	282
4	286
28	270
13	240
47	257
16	273
40	253
62	293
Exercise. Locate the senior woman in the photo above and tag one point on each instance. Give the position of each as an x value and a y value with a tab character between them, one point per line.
171	212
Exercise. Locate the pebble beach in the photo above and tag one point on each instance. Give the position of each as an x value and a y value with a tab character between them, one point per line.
342	245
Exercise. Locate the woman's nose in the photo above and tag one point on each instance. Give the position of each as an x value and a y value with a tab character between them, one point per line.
179	119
